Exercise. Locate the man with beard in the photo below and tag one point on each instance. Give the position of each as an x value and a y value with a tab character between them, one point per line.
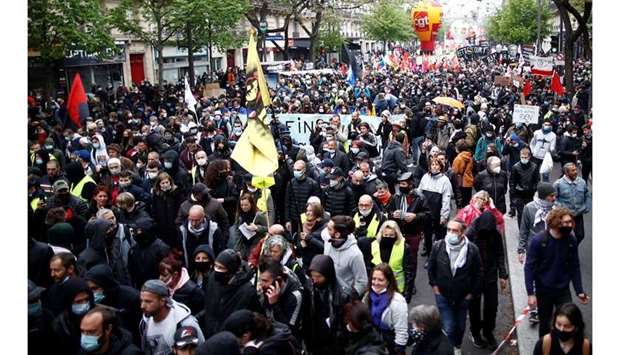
281	294
63	198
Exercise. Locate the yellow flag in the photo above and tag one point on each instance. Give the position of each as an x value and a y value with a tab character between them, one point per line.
256	151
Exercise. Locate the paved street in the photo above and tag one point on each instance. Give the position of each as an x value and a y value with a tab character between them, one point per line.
506	313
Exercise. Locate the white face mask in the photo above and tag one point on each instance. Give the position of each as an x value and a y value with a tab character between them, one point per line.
96	145
496	170
355	150
201	162
152	175
333	182
453	238
365	212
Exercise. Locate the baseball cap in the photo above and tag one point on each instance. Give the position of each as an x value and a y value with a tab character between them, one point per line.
83	154
60	185
185	336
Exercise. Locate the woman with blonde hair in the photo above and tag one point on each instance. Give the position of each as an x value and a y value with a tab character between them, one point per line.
390	247
480	202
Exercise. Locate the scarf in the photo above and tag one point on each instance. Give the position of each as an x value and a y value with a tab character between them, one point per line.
378	304
182	281
543	207
383	199
199	230
457	254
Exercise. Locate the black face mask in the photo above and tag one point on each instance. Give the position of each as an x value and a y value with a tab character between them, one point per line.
63	197
566	231
202	266
337	243
563	336
388	242
221	277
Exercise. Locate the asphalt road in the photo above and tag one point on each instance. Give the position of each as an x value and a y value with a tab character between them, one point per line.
527	334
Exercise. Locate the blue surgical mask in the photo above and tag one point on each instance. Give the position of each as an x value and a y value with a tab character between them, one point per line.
99	296
452	238
80	308
168	165
546	129
298	174
90	343
34	309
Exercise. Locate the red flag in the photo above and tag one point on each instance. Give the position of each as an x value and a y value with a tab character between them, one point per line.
527	88
77	105
556	85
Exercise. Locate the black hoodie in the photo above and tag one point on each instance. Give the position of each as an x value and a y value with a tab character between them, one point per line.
74	173
144	256
180	176
323	302
123	298
120	344
483	232
66	327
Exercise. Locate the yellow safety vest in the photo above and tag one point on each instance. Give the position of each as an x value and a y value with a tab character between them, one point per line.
373	226
303	218
397	258
77	189
34	204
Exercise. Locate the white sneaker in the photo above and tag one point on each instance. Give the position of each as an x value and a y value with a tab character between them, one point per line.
457	351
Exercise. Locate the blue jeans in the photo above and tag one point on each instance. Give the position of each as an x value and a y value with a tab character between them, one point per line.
415	149
453	318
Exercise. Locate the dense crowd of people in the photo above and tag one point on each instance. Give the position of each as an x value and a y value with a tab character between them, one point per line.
145	237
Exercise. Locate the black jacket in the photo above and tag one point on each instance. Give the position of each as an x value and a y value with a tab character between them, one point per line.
496	185
280	342
315	244
288	308
123	298
214	210
566	146
180	176
393	160
190	295
339	200
483	232
366	342
211	235
419	206
164	208
39	255
297	194
524	180
137	216
467	278
40	335
435	343
144	258
66	327
227	190
222	300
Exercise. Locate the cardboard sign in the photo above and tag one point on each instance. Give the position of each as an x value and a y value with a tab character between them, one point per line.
213	90
503	80
526	114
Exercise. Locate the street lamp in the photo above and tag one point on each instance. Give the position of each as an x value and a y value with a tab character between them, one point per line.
263	30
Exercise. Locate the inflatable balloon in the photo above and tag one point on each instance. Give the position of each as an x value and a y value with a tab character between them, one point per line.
426	21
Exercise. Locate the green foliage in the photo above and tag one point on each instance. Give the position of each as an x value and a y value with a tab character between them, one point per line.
151	21
329	34
388	22
515	23
57	26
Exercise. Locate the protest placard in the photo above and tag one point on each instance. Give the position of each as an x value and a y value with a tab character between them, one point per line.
527	114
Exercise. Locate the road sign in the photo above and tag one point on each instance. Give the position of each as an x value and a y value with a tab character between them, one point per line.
275	38
526	114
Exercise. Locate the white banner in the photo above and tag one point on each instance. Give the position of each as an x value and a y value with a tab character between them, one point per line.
542	63
526	114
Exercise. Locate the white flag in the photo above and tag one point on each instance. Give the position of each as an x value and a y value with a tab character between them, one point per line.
190	100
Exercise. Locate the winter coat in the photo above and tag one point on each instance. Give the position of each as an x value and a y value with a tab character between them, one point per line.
434	343
437	190
227	190
211	235
466	280
349	265
136	216
288	308
164	208
339	200
483	232
315	244
496	185
181	316
463	165
39	255
214	210
244	245
179	175
483	144
419	206
524	180
394	317
280	342
144	260
125	299
470	213
320	303
393	160
297	194
366	342
190	295
567	146
222	300
66	326
104	250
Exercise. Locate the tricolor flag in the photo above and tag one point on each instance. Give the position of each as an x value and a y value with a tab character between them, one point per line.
255	150
77	105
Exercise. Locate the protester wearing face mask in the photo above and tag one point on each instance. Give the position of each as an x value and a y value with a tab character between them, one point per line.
82	185
388	308
108	292
298	190
63	198
229	290
436	188
150	173
494	181
77	301
426	332
199	171
488	137
40	319
391	248
348	259
203	265
455	273
567	335
171	166
368	218
543	142
145	255
569	146
125	184
339	198
524	178
182	288
552	264
480	203
199	229
101	334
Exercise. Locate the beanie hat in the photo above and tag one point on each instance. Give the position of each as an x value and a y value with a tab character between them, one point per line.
545	189
156	287
230	259
239	322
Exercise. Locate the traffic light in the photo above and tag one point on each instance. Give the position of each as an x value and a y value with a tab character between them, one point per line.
555	42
